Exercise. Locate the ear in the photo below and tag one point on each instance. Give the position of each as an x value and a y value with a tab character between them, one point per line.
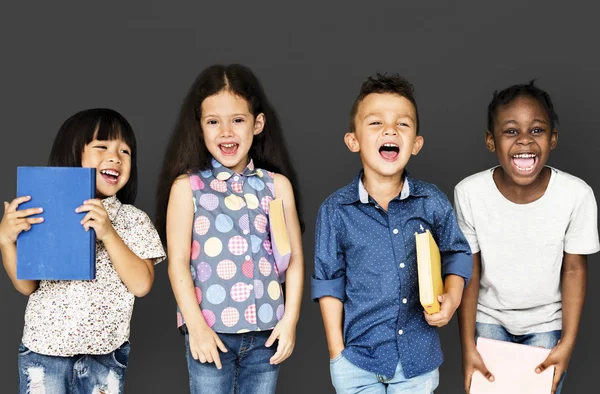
554	139
352	142
259	123
490	144
417	145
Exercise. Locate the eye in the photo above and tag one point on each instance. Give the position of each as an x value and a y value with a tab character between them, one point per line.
99	147
537	130
126	151
238	120
211	122
511	131
403	124
375	123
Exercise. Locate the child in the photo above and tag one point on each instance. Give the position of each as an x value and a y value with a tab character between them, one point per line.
530	228
380	339
225	161
76	333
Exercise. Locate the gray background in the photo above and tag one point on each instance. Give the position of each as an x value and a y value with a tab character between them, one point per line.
140	57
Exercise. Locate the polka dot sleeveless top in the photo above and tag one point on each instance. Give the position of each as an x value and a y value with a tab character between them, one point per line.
232	263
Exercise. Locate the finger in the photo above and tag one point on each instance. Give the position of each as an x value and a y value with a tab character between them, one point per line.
88	216
543	366
442	298
194	354
209	357
201	357
18	201
468	377
5	206
217	359
220	344
90	208
94	201
34	220
486	373
274	335
27	212
24	226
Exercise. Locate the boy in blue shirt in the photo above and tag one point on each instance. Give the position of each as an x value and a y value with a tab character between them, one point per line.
380	339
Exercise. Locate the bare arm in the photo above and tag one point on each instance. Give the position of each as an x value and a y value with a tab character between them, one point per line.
180	217
332	311
285	330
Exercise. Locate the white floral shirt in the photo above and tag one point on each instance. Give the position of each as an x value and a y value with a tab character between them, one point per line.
65	318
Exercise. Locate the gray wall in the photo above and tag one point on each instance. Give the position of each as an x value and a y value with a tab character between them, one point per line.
140	58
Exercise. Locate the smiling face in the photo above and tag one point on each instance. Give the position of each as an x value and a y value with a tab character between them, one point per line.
112	160
522	139
229	129
385	134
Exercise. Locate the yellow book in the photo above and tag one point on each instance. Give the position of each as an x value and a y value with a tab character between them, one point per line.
429	265
280	239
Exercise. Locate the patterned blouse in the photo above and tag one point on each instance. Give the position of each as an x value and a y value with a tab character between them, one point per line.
232	262
65	318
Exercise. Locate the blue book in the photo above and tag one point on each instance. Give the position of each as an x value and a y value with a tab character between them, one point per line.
59	248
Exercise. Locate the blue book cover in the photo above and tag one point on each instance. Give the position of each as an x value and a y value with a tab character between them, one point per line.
59	248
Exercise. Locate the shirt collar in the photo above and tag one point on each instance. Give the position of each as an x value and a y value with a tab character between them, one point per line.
112	205
223	173
357	192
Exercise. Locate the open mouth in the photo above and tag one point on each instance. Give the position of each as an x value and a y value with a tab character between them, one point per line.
229	149
524	162
389	151
110	176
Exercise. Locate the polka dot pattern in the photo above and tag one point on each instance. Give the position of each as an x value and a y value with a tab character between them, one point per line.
381	282
236	284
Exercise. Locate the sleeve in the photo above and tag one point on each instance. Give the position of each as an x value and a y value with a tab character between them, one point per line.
464	216
454	248
581	236
330	267
143	239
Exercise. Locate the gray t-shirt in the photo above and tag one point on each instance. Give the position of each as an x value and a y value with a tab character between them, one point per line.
522	247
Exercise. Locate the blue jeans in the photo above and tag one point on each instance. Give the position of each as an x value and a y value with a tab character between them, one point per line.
246	368
347	378
547	340
81	374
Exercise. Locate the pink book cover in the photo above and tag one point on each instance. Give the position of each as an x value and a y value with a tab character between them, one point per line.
513	366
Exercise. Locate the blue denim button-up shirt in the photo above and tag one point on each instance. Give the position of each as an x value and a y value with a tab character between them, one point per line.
366	257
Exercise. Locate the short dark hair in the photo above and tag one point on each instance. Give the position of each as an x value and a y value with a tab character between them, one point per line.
81	128
382	83
509	94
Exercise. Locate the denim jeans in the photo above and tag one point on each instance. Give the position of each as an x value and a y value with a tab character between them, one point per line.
81	374
347	378
246	368
547	340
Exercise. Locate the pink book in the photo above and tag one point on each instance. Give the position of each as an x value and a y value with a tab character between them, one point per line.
513	366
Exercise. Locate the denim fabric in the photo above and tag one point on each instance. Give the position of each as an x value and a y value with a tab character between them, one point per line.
246	368
350	379
547	340
80	374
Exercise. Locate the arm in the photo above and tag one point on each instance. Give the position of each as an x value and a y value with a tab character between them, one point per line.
286	328
574	282
13	223
180	216
136	273
332	311
467	313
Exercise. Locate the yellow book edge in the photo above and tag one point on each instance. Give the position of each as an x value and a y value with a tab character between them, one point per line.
278	225
429	272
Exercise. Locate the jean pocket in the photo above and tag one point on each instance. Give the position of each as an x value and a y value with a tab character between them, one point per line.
23	350
336	358
121	355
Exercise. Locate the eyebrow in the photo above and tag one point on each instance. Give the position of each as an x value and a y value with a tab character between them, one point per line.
380	114
515	122
232	115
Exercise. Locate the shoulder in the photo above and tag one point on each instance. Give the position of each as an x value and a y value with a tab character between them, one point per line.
473	182
340	197
575	186
133	215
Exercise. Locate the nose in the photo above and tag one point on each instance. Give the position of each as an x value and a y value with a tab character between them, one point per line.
226	130
390	129
114	158
524	139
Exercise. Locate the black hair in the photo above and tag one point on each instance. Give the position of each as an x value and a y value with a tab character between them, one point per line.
382	83
186	151
102	124
509	94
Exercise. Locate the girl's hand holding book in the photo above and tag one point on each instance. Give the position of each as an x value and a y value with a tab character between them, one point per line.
96	218
14	221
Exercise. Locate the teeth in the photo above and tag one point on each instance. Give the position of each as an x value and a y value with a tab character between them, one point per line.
525	155
390	145
228	145
110	172
524	169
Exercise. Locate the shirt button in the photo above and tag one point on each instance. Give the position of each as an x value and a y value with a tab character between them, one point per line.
247	257
250	287
377	206
400	332
402	265
395	231
404	300
236	178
